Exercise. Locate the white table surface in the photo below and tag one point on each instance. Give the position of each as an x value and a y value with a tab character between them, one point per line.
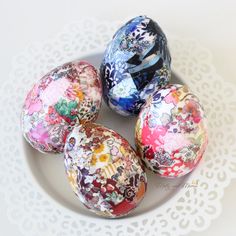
211	22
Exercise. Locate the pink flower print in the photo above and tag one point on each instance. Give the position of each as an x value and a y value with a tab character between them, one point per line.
154	136
192	107
172	97
186	124
54	91
52	116
32	98
70	93
74	91
45	81
114	151
174	141
128	163
34	106
34	92
39	134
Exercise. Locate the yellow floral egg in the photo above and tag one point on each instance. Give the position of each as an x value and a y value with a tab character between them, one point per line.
110	178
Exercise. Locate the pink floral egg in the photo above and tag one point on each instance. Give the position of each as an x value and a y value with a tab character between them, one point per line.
67	95
104	171
170	133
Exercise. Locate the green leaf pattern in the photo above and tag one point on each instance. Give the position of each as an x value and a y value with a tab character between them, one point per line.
65	108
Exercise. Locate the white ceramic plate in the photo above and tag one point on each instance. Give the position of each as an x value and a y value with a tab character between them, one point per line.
41	201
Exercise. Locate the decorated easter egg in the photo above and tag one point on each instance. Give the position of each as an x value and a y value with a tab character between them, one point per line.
67	95
135	62
104	171
171	133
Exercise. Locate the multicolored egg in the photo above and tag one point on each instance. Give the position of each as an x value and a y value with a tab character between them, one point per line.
135	62
67	95
104	171
171	132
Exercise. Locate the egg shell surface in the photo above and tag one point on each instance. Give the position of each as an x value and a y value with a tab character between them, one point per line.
171	133
136	61
67	95
104	171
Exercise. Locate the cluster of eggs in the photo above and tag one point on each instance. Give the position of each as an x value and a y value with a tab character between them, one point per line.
104	171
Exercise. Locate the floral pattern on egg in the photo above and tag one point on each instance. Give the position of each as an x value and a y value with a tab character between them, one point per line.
135	63
171	134
104	171
67	95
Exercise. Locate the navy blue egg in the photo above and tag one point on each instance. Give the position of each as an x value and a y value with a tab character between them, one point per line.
136	63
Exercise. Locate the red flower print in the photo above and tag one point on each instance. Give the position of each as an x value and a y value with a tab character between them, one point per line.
74	112
192	107
149	154
52	117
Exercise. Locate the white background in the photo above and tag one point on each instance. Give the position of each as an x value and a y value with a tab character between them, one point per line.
213	23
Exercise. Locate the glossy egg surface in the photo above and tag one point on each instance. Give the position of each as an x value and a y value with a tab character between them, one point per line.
67	95
104	171
135	62
171	133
